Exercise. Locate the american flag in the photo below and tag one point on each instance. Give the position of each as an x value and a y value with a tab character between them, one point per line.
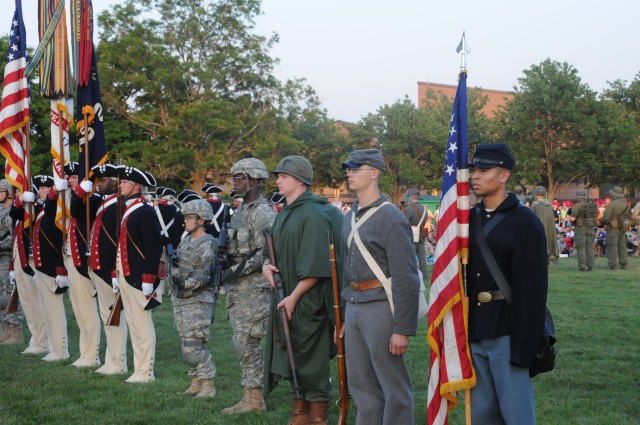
14	112
450	359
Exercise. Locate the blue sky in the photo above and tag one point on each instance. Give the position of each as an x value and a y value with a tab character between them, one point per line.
360	55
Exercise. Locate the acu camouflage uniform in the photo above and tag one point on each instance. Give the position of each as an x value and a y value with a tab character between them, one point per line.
6	286
249	296
194	309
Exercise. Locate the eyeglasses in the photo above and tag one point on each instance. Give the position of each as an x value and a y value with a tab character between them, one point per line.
355	170
191	216
239	178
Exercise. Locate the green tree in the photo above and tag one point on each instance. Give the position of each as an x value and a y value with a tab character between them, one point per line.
191	81
553	126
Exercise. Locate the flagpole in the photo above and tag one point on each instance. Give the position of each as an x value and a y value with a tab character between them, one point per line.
62	193
86	175
28	184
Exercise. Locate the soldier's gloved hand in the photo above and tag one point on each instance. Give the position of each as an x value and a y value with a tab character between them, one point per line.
87	186
12	276
147	289
115	284
61	184
191	284
62	281
28	197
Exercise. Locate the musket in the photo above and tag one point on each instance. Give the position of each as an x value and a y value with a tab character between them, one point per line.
277	277
222	261
116	308
342	359
14	299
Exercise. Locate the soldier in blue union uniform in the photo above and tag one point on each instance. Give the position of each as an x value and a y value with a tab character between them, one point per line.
504	338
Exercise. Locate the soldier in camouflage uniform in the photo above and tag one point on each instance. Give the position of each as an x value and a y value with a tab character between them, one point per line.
248	292
617	217
193	300
583	217
10	324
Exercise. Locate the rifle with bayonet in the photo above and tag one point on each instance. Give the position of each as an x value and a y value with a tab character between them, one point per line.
116	308
283	314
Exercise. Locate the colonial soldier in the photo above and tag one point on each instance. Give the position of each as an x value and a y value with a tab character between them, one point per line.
137	263
617	218
103	243
82	291
583	216
217	206
417	215
187	195
382	297
248	292
542	208
10	324
300	235
504	338
51	275
193	300
171	227
24	272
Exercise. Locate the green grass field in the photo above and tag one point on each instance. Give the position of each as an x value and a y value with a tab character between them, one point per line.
595	383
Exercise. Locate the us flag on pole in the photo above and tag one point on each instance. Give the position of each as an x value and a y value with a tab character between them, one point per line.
450	358
14	112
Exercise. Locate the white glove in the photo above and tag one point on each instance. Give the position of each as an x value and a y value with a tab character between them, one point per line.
61	184
12	276
147	289
62	281
115	284
87	185
28	197
191	284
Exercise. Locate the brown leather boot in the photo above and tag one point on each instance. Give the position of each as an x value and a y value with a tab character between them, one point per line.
13	335
207	389
319	413
194	388
300	412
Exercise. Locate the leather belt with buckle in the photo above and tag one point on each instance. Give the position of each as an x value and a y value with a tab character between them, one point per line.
366	285
488	296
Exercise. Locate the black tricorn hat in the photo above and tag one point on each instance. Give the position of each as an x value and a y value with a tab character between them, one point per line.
126	172
188	195
105	170
72	168
210	188
42	180
165	191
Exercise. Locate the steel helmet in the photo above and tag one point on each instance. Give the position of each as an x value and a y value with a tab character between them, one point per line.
199	207
252	167
297	167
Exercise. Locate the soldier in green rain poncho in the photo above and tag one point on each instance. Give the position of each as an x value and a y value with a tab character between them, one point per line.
301	239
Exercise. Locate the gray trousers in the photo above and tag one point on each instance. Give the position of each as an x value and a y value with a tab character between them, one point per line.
421	253
379	382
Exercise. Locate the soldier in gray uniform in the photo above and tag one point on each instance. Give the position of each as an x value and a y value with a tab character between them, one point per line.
193	300
417	215
617	217
248	292
10	324
583	216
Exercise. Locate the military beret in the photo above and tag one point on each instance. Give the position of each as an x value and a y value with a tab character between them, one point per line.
210	188
71	169
413	192
42	181
105	170
165	191
539	190
617	192
188	195
126	172
361	157
582	194
490	155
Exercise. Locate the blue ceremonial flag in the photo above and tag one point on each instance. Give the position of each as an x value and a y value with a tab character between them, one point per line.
89	103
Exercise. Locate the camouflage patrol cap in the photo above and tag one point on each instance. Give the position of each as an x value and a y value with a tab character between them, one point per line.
199	207
252	167
5	185
539	190
361	157
296	166
581	194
